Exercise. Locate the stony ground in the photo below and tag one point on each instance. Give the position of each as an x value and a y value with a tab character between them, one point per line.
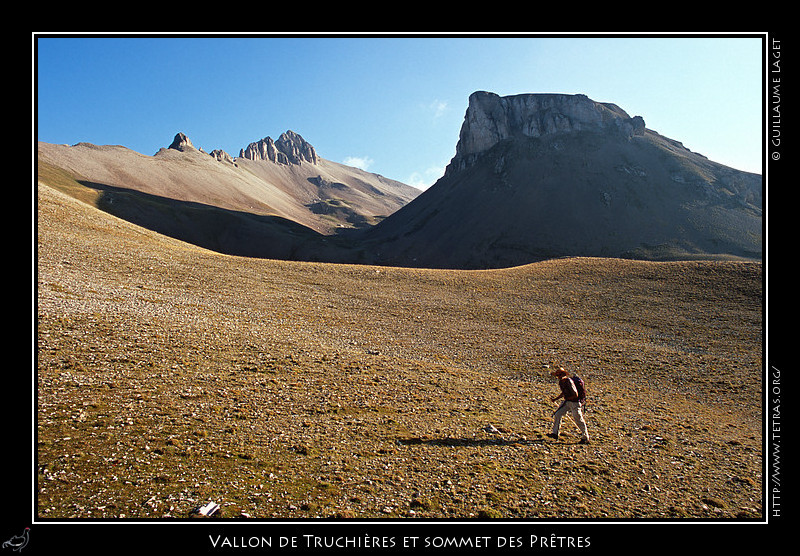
170	377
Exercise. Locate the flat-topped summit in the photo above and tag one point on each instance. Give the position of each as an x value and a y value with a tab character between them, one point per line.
491	119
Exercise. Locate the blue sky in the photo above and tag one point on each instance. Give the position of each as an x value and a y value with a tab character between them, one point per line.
393	105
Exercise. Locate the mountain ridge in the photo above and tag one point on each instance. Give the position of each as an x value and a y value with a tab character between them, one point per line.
535	176
290	187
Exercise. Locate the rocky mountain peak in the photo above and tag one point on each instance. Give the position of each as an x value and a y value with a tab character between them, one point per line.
181	143
491	118
290	148
221	156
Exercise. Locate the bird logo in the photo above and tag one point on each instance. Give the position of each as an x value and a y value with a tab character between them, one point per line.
18	542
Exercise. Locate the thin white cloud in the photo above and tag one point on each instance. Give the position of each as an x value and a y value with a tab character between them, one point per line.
439	107
426	178
362	162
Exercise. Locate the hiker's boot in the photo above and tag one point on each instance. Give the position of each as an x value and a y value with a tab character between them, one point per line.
552	435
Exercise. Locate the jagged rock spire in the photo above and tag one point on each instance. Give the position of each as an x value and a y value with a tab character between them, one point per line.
290	148
181	143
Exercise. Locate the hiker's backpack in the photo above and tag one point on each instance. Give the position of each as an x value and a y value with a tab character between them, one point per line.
580	386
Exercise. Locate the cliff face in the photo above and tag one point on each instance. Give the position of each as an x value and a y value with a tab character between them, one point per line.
491	119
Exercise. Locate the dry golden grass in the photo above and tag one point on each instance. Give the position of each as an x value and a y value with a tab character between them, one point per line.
169	376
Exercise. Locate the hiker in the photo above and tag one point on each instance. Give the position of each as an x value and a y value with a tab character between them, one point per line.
573	402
